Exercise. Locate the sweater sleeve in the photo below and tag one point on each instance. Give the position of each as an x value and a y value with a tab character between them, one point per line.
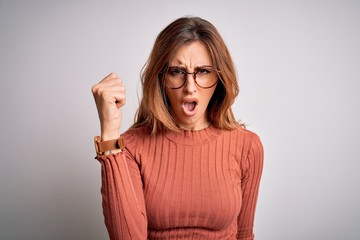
122	197
252	167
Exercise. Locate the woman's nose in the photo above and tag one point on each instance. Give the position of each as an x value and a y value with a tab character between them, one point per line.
190	83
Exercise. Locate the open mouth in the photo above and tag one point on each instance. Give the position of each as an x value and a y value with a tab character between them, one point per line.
190	107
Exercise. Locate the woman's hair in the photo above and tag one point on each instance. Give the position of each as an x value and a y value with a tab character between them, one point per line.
154	110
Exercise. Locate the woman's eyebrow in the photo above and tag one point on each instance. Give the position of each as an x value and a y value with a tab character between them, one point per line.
177	67
195	68
203	66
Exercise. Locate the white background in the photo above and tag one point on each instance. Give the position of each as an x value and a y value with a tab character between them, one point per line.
298	66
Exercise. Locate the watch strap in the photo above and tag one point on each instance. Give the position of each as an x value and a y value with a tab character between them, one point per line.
103	146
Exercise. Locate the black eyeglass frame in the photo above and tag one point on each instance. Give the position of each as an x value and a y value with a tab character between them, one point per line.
194	76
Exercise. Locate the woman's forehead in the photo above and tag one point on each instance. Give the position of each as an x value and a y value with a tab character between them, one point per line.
191	55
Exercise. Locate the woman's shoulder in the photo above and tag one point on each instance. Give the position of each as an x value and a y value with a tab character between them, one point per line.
245	133
244	138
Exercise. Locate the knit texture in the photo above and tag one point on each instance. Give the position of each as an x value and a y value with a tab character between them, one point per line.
190	185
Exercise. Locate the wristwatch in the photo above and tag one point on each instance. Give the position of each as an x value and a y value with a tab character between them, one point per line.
105	146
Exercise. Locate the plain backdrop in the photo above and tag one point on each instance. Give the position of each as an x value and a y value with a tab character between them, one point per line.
298	68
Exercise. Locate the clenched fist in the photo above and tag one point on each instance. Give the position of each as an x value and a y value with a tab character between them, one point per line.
109	95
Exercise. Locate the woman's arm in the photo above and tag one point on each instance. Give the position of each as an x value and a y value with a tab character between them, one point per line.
252	170
123	200
122	195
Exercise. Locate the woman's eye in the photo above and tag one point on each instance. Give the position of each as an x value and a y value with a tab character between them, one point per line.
204	71
175	71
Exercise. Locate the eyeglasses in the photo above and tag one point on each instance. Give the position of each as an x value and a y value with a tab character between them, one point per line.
204	77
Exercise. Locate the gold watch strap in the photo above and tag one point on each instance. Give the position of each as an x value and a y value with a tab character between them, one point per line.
103	146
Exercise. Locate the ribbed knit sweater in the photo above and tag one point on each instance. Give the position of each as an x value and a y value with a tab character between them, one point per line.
190	185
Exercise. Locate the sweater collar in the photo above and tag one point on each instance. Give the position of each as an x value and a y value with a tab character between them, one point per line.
191	137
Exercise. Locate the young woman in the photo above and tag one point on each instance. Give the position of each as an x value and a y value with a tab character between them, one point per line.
186	169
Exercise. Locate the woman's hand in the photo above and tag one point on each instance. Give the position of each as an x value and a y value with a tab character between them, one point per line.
109	95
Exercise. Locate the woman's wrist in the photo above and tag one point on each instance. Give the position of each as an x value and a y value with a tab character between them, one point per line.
109	135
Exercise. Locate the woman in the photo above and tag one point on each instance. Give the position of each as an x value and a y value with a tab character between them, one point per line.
186	169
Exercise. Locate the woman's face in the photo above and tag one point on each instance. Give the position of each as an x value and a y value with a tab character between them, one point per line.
189	102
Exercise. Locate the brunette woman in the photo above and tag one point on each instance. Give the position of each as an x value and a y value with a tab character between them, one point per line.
186	169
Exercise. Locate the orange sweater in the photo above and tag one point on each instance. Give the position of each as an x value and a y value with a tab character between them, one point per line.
193	185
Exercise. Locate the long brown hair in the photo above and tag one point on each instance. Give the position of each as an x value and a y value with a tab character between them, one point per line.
154	109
